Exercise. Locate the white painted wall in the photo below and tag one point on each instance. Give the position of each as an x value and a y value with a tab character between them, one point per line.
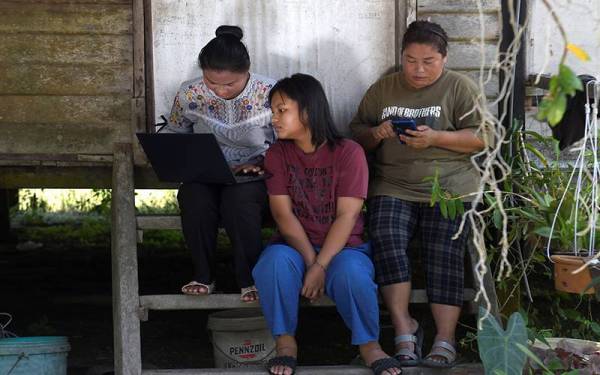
346	44
581	20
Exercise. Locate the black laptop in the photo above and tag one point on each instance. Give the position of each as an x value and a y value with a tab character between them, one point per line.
193	157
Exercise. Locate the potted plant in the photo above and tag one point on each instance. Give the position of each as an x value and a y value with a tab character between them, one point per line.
554	210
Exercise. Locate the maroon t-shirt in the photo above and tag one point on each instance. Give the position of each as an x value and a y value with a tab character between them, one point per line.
315	181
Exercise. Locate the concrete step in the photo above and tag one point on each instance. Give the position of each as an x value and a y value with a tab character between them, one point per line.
463	369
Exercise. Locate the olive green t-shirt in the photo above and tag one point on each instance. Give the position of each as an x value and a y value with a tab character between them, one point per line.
399	170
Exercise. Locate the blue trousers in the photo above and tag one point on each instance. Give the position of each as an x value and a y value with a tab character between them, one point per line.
349	282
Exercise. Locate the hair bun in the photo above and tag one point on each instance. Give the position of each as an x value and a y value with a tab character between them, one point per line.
230	30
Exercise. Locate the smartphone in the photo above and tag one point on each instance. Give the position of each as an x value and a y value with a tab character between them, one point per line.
401	124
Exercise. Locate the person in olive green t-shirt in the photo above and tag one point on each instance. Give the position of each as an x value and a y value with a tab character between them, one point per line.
442	104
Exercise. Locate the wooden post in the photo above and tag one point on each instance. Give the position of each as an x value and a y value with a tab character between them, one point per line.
8	198
127	346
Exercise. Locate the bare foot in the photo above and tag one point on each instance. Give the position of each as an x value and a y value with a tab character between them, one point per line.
195	288
250	297
249	294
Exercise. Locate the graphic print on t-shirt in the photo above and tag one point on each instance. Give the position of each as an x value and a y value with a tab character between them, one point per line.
312	185
423	116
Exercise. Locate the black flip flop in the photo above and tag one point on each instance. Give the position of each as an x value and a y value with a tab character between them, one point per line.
284	360
384	364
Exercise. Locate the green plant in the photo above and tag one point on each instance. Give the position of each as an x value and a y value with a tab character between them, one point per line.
450	205
498	348
564	84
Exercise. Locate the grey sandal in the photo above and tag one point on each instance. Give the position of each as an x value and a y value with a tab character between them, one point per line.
414	356
442	349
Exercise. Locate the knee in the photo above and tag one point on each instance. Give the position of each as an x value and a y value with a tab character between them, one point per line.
352	271
193	199
381	231
276	259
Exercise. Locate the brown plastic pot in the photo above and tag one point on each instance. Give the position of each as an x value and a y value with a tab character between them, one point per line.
567	281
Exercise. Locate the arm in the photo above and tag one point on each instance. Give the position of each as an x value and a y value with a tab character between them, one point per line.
347	212
364	125
370	137
290	228
462	140
177	123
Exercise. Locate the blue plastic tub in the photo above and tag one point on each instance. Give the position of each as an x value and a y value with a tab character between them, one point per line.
40	355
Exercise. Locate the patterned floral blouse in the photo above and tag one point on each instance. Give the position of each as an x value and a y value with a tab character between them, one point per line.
242	125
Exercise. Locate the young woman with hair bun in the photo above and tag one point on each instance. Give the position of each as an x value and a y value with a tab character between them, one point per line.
232	103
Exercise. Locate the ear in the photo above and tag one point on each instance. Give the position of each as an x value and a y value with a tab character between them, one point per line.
304	118
445	59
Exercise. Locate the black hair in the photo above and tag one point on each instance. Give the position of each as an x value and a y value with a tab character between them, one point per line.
313	106
225	51
425	32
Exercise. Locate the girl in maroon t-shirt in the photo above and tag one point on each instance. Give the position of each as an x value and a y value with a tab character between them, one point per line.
316	192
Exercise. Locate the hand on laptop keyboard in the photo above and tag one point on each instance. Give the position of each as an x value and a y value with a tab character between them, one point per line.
248	170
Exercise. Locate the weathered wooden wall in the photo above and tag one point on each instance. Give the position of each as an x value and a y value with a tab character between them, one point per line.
66	70
461	20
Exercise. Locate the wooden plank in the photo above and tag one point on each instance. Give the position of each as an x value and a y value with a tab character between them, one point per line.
69	1
158	222
138	50
64	110
42	79
232	301
491	87
411	11
126	323
463	55
149	67
57	138
466	26
65	49
65	18
44	176
457	6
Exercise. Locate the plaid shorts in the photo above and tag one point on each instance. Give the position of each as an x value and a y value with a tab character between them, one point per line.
392	224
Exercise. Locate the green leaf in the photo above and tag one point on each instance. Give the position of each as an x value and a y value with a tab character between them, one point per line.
498	349
557	109
595	327
460	207
555	365
568	80
452	209
497	218
543	109
537	153
530	354
543	231
444	209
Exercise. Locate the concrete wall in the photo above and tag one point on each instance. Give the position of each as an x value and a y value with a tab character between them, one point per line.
581	20
347	44
465	26
65	75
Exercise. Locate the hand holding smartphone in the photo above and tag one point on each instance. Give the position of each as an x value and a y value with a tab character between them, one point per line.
400	126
